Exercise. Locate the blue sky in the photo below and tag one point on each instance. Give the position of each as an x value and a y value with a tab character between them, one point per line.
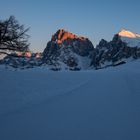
95	19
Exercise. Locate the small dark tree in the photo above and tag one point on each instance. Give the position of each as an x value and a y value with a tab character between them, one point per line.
13	36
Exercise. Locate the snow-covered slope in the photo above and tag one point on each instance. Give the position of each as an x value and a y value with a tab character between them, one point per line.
2	56
37	104
132	39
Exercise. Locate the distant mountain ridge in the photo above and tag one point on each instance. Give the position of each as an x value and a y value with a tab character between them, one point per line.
67	51
114	53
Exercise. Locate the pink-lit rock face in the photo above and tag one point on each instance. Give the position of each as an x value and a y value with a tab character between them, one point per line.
62	35
69	49
38	55
19	53
64	39
28	54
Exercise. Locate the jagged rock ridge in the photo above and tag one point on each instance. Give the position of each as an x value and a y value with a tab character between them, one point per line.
115	52
68	51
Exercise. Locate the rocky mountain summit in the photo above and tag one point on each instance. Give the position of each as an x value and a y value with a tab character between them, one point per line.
68	51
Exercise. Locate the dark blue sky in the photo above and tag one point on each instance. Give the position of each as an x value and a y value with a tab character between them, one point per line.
94	19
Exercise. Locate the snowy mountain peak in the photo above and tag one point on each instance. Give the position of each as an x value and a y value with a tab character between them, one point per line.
129	34
130	38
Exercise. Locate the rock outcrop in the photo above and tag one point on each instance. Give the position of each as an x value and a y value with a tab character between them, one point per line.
68	50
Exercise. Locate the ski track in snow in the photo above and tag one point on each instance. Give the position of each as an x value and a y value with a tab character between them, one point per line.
31	105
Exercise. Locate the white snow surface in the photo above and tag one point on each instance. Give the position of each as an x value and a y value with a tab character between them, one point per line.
132	39
38	104
2	56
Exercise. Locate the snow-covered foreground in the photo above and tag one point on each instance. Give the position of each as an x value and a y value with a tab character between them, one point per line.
37	104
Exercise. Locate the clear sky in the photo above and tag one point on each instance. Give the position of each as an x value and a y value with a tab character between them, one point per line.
95	19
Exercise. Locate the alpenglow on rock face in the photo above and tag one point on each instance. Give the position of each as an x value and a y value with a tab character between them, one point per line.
68	51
